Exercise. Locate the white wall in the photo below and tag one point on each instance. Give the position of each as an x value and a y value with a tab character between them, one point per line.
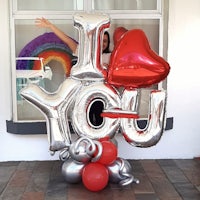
183	94
184	81
183	86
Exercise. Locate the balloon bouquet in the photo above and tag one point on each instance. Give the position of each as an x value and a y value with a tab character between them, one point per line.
93	156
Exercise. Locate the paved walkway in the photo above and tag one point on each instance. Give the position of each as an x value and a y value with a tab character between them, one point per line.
159	180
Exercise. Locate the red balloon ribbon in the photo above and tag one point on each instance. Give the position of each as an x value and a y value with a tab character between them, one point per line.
117	113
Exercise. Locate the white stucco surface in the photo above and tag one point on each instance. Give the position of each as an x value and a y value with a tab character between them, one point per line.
183	141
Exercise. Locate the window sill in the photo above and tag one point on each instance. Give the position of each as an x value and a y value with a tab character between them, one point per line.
40	127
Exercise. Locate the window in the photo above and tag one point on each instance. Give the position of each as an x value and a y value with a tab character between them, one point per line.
125	5
45	5
143	14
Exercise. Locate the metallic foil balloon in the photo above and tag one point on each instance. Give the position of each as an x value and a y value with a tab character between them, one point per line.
64	154
91	99
155	125
97	109
54	107
134	64
121	172
128	112
72	171
83	150
118	34
90	28
114	141
99	151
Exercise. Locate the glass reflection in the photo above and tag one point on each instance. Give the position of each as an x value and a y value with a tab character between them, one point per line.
125	5
50	5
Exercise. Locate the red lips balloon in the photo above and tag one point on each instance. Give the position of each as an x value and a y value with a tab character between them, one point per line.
134	64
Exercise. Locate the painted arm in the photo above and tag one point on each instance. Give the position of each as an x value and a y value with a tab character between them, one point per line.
44	23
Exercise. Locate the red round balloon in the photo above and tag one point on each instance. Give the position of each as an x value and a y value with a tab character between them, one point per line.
95	176
109	153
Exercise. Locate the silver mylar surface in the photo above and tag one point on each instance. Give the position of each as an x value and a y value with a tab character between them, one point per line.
90	28
80	118
64	154
121	172
82	150
156	121
54	107
72	171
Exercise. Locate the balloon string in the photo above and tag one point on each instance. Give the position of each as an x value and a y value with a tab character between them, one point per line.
129	178
90	148
99	150
64	154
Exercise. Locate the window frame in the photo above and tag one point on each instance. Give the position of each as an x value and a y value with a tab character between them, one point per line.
159	14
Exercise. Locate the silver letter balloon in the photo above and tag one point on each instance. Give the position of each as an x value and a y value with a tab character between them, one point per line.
95	104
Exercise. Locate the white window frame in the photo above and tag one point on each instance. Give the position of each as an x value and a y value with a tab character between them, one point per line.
87	6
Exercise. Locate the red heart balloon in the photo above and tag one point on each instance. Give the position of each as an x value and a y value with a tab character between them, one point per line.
134	64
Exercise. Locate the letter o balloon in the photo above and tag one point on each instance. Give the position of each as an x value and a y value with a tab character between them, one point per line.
91	100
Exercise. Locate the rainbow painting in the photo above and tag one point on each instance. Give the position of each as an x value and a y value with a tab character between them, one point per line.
49	47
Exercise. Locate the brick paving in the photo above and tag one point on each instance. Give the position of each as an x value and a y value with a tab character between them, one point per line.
159	180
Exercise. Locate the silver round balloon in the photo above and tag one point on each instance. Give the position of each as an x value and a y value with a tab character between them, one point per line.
54	107
90	28
121	172
83	150
152	133
95	97
72	171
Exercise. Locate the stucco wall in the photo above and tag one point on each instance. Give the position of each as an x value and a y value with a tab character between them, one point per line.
183	141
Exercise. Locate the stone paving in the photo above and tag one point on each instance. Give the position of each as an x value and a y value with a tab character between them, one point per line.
159	180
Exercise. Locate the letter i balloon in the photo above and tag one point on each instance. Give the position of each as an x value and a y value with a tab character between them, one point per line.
90	102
